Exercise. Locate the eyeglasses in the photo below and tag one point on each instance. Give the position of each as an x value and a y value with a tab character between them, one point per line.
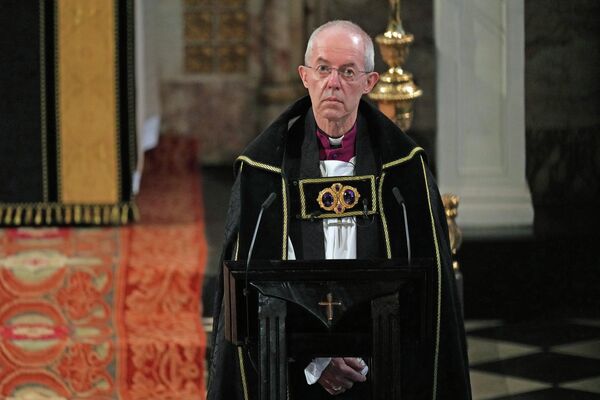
348	74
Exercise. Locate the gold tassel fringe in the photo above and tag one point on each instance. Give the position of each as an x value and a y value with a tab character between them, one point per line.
52	214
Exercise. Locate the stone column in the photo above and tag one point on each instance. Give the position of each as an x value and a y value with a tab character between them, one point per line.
481	113
282	45
148	108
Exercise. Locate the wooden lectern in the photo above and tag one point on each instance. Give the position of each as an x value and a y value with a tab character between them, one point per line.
324	308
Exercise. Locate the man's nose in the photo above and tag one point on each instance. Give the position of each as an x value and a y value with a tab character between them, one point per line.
333	79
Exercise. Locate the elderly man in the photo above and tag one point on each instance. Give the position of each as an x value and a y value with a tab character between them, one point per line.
329	134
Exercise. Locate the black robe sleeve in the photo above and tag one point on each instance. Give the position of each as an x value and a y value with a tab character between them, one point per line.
225	374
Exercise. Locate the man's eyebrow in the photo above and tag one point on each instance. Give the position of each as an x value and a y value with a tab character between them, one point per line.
321	60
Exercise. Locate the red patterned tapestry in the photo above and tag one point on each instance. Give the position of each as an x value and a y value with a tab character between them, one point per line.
109	313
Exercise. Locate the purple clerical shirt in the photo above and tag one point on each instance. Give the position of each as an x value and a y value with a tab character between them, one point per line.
344	152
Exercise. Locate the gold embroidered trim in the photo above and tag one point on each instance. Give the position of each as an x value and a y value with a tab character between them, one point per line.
337	178
302	182
256	164
403	159
260	165
237	240
243	373
439	283
237	246
344	215
285	218
386	234
46	214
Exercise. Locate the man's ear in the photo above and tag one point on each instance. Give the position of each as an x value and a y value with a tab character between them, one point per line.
372	80
303	75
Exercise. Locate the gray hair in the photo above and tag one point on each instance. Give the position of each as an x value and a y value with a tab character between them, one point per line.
352	27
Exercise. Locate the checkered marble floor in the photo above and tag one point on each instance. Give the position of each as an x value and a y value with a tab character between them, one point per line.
534	360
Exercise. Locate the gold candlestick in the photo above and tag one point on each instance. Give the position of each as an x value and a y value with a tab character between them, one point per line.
451	202
395	91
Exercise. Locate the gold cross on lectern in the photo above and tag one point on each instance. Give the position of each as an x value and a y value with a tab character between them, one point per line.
330	303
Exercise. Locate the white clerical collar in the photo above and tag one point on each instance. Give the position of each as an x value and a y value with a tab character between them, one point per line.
335	141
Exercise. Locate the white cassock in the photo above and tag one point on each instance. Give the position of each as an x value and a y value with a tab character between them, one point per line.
340	244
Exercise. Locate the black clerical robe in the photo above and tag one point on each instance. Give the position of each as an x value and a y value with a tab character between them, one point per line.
286	153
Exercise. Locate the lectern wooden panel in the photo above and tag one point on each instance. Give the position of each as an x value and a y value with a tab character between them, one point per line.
289	309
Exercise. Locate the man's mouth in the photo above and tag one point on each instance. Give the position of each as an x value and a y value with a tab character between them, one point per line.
333	99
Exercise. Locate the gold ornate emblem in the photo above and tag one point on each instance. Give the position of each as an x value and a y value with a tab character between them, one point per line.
338	198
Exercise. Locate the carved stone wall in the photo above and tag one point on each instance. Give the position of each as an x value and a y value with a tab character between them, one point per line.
209	73
227	68
562	99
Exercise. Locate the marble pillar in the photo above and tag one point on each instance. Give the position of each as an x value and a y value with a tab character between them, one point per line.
282	33
148	107
481	114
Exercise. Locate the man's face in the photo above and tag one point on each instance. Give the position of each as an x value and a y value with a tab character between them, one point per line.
334	98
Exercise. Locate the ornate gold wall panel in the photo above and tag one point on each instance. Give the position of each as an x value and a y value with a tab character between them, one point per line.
216	36
198	25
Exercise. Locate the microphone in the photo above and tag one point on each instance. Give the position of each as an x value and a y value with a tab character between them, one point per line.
365	215
401	202
397	195
266	204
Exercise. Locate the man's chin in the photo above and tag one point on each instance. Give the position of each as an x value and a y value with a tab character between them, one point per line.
330	115
332	110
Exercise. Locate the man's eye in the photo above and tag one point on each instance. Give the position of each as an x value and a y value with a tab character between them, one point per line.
323	69
348	73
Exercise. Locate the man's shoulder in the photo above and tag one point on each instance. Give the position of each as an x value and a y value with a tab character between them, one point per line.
268	147
395	145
